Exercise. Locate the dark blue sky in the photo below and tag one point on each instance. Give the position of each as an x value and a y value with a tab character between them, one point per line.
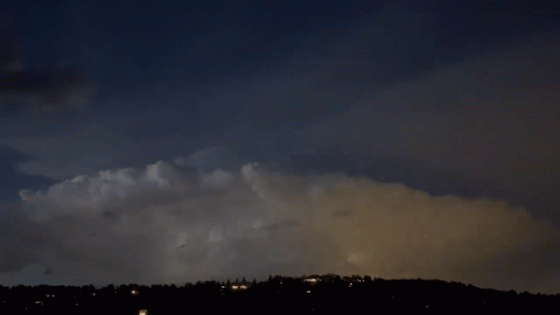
446	97
157	67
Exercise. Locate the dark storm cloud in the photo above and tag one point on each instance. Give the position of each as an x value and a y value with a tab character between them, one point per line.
492	119
319	71
10	52
38	91
45	90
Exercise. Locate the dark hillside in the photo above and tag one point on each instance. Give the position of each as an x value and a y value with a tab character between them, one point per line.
278	295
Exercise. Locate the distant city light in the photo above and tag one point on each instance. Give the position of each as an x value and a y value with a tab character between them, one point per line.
238	287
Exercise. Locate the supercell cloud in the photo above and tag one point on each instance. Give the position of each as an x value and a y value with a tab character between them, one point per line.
164	225
374	125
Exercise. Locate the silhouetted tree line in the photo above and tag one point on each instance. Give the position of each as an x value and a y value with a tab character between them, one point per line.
277	295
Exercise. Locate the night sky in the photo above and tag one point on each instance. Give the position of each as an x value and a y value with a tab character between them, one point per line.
174	141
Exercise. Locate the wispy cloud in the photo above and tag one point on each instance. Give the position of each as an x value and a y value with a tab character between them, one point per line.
39	91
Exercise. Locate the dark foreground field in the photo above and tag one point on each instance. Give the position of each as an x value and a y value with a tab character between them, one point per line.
278	295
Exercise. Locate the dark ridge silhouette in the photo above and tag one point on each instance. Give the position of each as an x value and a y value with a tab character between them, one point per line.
279	295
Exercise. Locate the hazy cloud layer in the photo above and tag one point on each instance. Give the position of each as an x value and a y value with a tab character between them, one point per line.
490	119
161	225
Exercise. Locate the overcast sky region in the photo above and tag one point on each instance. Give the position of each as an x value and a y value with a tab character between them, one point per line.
171	141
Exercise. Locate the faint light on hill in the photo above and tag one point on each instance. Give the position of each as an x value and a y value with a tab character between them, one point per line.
238	287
